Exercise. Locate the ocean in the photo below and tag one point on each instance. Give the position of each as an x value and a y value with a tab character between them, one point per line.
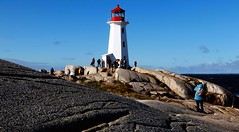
227	81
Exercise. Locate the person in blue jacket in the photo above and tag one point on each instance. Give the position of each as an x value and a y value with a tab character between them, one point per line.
199	97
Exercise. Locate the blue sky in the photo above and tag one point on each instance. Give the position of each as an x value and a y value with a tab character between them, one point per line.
183	36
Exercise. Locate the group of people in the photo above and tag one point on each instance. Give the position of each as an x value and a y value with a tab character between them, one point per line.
98	62
115	64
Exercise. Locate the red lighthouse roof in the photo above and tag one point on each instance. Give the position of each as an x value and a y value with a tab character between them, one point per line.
117	10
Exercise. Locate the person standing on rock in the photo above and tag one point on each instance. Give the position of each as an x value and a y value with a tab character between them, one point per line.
98	62
135	63
199	97
69	72
92	62
109	62
52	71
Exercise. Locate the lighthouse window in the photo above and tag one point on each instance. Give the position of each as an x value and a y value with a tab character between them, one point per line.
122	30
123	44
115	14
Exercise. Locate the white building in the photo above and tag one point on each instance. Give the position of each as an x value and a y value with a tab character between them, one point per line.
118	46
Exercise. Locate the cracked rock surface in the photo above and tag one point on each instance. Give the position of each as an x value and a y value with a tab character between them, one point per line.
33	101
183	118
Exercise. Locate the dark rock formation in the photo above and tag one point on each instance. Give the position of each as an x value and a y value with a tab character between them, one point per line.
34	101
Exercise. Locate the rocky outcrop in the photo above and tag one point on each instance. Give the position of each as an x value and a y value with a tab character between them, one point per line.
34	101
222	117
183	85
148	82
223	95
143	84
156	83
176	84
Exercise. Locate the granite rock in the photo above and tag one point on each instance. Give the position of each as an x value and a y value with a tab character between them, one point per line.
34	101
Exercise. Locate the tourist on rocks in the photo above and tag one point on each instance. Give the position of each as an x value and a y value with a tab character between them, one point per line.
135	63
199	97
52	71
92	62
69	72
98	62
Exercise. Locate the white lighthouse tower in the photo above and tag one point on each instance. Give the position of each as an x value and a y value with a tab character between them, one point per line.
118	46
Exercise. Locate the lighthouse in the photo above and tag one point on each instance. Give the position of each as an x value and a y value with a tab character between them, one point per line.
117	46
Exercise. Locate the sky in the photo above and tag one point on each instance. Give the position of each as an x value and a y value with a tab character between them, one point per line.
182	36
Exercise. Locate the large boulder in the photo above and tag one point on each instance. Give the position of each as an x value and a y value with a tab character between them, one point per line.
95	77
177	85
72	70
127	76
59	73
145	86
224	96
90	70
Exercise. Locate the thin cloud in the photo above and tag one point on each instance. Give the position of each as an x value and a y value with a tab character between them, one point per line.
89	53
151	67
221	67
204	49
71	58
7	37
57	42
5	51
33	65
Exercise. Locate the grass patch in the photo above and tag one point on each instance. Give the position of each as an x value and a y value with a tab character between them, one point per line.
117	88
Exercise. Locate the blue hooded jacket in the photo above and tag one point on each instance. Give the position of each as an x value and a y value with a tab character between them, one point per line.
197	97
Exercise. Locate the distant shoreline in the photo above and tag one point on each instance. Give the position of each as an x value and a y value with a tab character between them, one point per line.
227	81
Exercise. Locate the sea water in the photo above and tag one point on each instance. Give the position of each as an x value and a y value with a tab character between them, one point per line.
227	81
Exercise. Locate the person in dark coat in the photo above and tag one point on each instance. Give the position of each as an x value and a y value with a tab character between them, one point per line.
92	62
52	71
135	63
98	62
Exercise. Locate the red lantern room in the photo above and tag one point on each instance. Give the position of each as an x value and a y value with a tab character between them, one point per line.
117	14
